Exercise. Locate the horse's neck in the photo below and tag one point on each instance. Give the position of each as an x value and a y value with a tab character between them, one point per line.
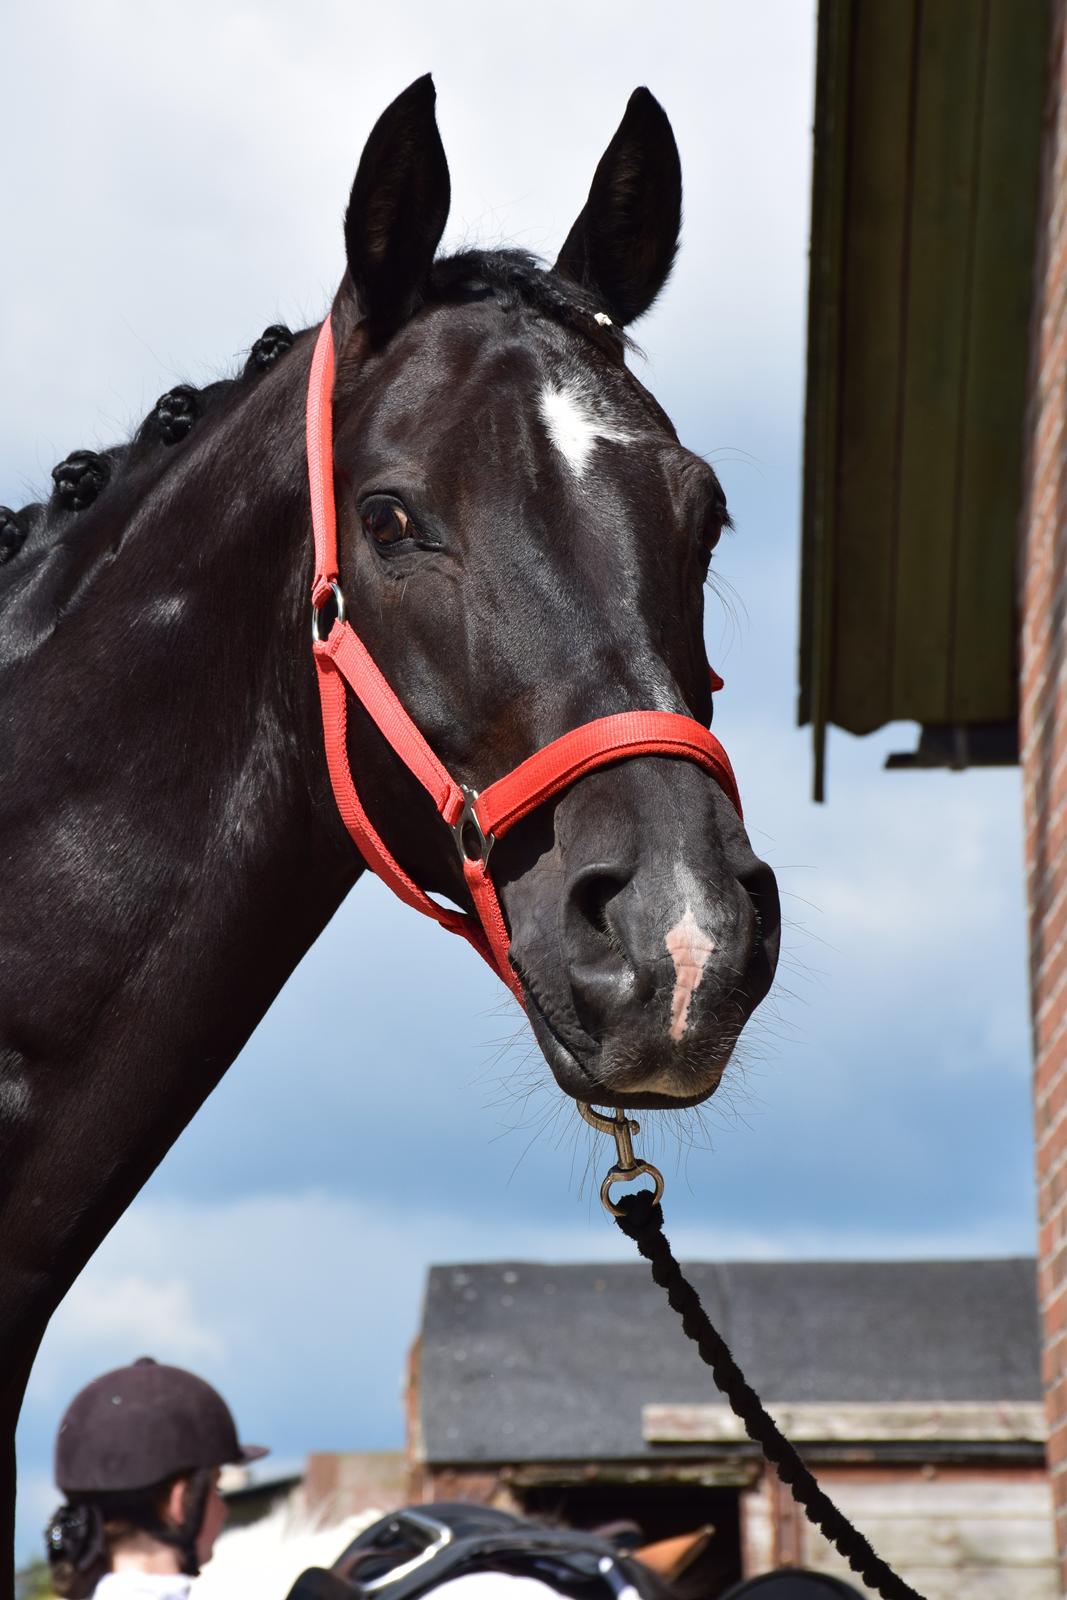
162	794
169	845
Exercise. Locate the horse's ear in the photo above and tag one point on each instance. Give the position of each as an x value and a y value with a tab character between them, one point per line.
397	210
623	244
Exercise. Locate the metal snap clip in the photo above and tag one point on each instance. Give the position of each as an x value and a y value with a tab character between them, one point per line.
627	1166
472	842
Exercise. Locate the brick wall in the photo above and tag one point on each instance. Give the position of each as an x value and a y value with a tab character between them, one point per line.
1043	731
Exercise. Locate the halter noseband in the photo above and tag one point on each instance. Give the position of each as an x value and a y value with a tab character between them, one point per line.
476	820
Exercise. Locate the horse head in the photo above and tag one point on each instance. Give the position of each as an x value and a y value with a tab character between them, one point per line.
524	543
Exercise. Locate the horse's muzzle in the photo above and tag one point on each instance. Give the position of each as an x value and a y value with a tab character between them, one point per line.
642	976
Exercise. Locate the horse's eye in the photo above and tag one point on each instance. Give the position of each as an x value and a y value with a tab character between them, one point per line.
712	534
717	521
385	520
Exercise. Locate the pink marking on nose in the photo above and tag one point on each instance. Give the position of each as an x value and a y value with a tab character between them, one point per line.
689	948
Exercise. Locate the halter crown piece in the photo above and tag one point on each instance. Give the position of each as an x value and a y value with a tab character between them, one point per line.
475	820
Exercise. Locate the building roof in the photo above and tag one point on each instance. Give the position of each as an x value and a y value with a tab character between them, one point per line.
928	143
527	1362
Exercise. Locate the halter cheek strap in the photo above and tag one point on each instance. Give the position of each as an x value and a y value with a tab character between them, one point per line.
343	663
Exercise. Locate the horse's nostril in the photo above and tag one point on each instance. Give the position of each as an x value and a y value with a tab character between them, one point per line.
604	942
760	885
591	893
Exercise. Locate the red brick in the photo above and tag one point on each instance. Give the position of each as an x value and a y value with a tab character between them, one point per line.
1043	743
1056	1454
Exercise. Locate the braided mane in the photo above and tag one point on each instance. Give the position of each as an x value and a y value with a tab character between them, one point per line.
510	277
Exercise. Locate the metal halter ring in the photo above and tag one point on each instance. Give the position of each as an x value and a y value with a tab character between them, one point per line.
337	594
472	842
627	1167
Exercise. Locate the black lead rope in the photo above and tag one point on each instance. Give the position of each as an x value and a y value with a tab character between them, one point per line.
640	1217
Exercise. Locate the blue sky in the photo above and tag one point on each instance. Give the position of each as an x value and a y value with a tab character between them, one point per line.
175	181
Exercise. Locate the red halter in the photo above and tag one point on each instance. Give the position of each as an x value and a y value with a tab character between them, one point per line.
476	820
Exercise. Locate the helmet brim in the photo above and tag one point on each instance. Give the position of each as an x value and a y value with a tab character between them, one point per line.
251	1452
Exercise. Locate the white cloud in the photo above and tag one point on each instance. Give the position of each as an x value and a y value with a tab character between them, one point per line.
110	1316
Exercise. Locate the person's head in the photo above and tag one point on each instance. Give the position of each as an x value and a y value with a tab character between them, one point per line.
137	1457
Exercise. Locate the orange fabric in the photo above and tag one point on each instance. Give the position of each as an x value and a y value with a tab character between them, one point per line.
594	744
373	848
356	665
491	916
343	662
320	463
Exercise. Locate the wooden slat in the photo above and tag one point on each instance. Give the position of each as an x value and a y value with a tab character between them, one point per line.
851	1423
924	230
923	1541
969	1583
987	1535
872	334
821	402
992	1493
726	1473
983	662
952	47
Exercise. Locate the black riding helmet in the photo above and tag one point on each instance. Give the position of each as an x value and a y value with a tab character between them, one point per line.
141	1424
120	1442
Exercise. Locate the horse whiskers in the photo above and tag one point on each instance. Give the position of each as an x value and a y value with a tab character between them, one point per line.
731	602
522	1103
533	1106
733	453
549	1116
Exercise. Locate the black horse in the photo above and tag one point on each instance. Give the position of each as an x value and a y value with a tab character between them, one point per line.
523	542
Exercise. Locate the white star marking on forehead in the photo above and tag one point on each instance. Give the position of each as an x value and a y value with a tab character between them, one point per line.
574	426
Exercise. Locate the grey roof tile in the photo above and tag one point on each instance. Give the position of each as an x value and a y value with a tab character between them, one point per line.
527	1362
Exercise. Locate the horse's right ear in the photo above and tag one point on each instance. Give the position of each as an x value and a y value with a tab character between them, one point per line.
397	211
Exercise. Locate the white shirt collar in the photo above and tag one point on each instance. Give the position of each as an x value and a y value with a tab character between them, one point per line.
143	1586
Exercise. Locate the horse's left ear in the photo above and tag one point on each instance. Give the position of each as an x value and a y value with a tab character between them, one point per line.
397	210
623	244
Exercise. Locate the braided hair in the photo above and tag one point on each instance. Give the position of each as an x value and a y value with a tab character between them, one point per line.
82	1534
